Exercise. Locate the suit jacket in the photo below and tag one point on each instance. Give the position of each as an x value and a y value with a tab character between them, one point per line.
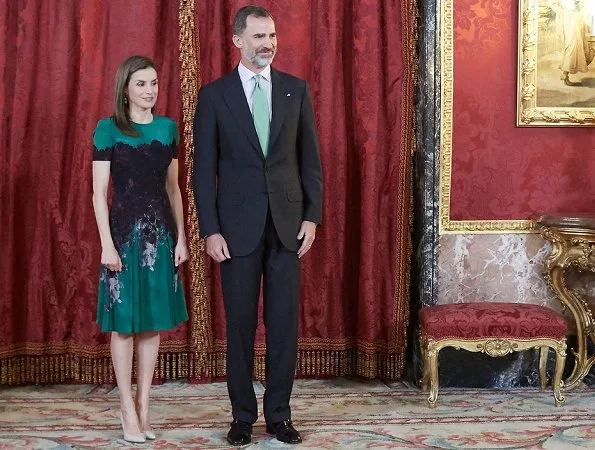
234	185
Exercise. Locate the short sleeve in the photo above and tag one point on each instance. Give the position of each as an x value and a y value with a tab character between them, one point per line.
175	140
103	141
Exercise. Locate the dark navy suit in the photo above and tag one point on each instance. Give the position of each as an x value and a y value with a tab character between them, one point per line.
258	205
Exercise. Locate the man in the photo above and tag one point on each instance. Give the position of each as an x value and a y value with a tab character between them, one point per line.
258	189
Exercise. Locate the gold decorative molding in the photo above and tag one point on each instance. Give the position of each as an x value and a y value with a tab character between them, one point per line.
572	247
446	225
496	347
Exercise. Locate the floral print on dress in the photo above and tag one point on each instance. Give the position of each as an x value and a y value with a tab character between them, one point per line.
112	286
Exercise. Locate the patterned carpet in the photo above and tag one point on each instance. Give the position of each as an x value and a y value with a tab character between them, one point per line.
338	413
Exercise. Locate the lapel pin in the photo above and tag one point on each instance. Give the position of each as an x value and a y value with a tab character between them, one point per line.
289	95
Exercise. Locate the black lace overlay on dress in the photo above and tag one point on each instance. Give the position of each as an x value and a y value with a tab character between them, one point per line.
140	205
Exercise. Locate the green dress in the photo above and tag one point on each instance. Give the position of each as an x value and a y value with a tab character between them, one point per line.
147	294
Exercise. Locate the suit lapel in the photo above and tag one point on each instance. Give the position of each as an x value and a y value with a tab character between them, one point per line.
279	109
235	98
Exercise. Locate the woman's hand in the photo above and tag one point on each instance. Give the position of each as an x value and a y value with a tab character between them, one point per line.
180	253
111	259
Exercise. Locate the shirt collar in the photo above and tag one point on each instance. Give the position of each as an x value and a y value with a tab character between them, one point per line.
246	74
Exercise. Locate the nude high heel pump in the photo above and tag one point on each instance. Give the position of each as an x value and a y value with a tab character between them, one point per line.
149	434
134	438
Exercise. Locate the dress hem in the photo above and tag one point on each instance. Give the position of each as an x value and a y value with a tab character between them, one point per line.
104	330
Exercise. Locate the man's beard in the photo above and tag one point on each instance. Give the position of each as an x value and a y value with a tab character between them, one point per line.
260	60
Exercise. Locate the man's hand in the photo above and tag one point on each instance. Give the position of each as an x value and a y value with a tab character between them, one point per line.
217	248
308	234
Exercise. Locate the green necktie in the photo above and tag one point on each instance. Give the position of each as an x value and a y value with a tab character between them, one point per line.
260	114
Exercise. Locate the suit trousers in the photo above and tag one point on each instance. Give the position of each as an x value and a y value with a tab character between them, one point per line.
279	270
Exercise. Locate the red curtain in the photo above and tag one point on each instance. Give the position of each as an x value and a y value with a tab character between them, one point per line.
58	64
358	58
58	61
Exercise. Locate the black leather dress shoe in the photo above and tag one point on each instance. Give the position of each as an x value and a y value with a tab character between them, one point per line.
240	433
284	432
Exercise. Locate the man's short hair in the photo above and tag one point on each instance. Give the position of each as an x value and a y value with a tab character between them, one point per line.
239	21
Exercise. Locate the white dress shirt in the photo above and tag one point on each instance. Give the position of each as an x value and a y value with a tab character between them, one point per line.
249	83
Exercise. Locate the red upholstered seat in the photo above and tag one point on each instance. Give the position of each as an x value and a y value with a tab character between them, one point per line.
496	329
483	320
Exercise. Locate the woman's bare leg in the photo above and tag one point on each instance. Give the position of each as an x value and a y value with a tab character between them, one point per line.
122	347
147	348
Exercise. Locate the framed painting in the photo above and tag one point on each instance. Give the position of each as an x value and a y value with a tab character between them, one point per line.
556	72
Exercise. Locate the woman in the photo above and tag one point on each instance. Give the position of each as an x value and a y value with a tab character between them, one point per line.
142	237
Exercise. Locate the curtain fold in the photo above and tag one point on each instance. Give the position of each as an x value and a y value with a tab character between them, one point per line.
58	67
58	61
359	59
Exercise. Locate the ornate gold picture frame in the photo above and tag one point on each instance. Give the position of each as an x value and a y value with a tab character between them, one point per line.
556	72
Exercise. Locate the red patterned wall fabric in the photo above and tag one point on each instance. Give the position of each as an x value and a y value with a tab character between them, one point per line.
499	171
